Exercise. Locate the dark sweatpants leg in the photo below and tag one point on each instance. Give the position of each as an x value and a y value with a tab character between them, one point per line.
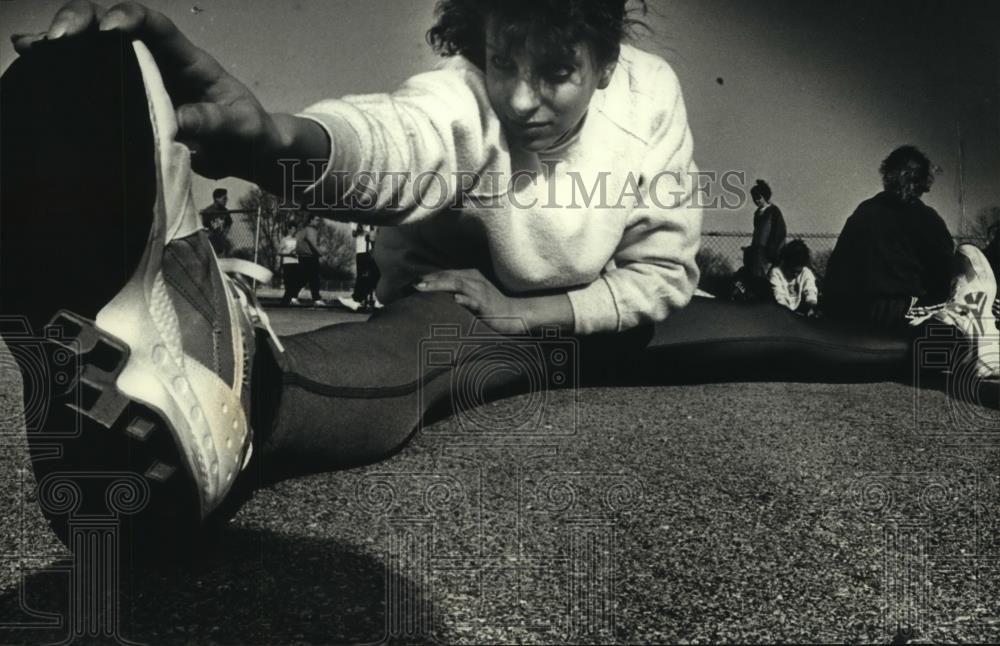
309	266
359	278
290	274
367	278
353	393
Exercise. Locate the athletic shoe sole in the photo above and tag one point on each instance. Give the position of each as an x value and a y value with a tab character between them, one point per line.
138	406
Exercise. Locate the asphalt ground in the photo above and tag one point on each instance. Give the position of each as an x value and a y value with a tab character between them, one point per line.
748	512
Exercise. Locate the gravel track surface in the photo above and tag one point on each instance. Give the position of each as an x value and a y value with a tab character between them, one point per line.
731	512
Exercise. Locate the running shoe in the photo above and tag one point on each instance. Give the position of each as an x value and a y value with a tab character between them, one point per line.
161	338
349	303
971	309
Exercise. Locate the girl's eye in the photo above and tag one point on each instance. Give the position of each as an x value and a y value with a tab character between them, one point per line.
502	62
558	74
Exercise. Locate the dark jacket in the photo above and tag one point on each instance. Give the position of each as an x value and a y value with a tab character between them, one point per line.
211	211
892	249
769	232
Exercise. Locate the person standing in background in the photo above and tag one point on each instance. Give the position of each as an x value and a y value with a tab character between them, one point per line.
308	251
290	274
769	231
217	236
220	199
367	273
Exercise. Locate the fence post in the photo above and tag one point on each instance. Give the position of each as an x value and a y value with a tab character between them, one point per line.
256	243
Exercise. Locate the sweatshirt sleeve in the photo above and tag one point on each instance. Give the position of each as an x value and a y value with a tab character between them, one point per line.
654	270
810	294
779	288
401	156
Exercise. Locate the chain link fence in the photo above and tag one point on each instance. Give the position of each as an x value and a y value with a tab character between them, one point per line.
720	256
721	253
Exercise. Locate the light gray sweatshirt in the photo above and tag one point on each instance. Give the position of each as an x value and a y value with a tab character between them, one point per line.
606	216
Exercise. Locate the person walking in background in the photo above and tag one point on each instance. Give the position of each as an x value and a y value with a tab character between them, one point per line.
793	283
367	273
289	260
308	251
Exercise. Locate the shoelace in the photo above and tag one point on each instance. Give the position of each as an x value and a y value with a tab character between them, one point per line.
236	268
917	314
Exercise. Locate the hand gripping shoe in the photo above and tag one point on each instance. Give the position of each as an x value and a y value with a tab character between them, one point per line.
104	258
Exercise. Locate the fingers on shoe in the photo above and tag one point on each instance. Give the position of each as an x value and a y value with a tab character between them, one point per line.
169	46
200	119
23	42
72	19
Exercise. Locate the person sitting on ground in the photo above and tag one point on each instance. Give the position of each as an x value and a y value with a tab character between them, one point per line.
793	283
893	252
747	288
895	266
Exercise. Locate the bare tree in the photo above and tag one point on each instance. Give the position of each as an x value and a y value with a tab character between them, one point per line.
272	223
337	261
983	225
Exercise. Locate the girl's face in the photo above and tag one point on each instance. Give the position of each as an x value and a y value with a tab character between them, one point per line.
792	271
537	100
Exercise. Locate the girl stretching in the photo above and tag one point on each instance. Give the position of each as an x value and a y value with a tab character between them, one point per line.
537	181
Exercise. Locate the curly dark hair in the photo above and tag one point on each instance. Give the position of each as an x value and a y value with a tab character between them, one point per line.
907	173
760	189
556	25
795	254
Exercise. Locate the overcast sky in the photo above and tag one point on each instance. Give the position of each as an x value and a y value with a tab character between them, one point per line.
808	95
